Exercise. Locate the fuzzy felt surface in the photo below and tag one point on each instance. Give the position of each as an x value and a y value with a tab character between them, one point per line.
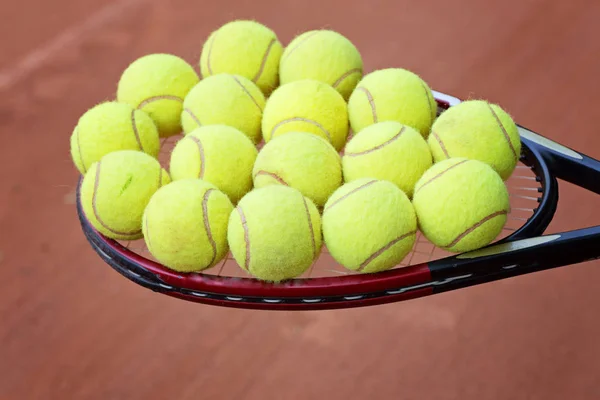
157	84
225	99
116	190
112	126
185	225
323	55
478	130
246	48
369	225
303	161
307	106
389	151
392	94
461	204
219	154
275	233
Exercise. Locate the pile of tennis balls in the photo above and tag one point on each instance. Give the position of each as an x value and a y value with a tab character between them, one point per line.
287	150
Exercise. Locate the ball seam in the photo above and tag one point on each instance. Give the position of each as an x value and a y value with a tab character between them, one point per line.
201	152
431	117
371	101
504	133
294	119
442	146
439	174
211	240
272	175
379	146
149	100
264	61
147	234
248	93
383	249
210	47
79	150
193	116
369	183
95	209
135	130
475	226
310	227
345	75
301	42
244	223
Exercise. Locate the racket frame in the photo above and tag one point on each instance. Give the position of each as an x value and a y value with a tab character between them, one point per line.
522	252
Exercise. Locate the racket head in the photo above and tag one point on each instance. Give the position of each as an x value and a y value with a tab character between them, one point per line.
533	195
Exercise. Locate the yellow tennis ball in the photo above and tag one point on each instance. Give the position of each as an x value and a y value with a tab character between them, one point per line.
225	99
478	130
218	154
307	106
245	48
387	151
116	190
185	225
369	225
157	84
461	204
392	94
108	127
323	55
303	161
274	233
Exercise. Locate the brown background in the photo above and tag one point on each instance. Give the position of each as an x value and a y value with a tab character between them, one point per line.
72	328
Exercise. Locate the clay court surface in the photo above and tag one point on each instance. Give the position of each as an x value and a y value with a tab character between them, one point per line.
72	328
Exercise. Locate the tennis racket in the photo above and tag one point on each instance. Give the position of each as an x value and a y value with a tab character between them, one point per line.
520	249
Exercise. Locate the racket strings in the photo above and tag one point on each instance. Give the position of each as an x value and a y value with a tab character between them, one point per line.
522	186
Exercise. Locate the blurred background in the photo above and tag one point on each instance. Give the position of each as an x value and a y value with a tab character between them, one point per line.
72	328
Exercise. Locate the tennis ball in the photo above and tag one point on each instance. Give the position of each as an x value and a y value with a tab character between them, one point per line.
245	48
461	204
323	55
225	99
392	94
478	130
274	233
218	154
108	127
307	106
369	225
185	225
303	161
157	84
387	151
116	190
